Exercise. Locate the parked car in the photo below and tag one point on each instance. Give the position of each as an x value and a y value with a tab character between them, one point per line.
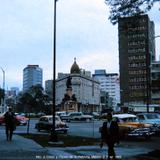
76	116
20	120
46	123
61	113
129	126
151	118
40	114
95	115
1	119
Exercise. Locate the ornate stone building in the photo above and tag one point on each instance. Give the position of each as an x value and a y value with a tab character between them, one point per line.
82	94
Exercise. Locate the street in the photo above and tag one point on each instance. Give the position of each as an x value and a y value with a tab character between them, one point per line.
88	129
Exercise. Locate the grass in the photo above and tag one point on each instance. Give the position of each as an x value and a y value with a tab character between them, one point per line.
68	141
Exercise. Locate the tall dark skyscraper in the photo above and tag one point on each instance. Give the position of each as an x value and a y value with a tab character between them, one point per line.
136	52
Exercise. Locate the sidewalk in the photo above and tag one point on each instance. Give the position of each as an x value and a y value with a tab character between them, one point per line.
25	149
94	152
19	148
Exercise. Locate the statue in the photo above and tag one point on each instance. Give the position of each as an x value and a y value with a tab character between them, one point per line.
68	83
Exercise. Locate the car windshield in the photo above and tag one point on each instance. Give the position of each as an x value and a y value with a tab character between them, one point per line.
129	119
51	119
152	116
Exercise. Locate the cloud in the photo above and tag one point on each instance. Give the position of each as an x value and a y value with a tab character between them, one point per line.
100	60
83	31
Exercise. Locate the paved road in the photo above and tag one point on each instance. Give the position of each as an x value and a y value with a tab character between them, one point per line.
89	129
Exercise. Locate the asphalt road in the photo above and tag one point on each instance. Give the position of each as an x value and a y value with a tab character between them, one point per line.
88	129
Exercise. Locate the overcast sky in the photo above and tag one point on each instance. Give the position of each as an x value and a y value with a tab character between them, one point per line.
83	31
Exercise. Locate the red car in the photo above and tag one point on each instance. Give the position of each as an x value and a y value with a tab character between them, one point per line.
20	120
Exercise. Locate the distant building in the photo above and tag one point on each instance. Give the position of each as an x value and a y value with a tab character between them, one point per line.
13	91
49	88
136	53
109	83
155	82
32	75
84	87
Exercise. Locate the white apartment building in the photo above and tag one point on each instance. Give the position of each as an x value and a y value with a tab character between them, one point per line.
85	88
32	75
110	84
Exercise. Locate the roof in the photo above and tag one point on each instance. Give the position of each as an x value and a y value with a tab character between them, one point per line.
126	115
75	68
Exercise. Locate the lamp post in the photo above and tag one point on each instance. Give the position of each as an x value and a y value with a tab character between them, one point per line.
53	136
3	110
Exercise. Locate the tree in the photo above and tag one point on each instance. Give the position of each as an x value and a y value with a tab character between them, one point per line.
123	8
27	102
34	100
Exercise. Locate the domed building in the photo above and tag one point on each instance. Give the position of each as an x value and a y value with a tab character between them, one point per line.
74	68
77	86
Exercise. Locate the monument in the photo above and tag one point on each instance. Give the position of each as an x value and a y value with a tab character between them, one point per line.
69	101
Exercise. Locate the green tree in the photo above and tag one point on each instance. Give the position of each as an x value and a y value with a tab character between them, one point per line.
34	100
123	8
26	101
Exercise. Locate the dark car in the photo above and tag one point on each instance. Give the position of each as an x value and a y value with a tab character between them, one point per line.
46	123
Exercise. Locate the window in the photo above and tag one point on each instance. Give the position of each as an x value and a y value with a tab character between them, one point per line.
140	117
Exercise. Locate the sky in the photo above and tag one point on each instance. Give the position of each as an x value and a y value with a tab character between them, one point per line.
83	32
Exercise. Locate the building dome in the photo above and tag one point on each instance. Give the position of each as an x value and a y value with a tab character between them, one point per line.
75	68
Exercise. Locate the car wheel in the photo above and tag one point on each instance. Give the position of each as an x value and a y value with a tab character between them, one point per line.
147	137
65	131
88	120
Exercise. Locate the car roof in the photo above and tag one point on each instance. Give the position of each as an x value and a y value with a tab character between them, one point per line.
49	116
146	113
125	115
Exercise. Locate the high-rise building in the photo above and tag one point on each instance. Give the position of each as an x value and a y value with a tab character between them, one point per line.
155	85
136	52
32	75
13	91
109	83
49	88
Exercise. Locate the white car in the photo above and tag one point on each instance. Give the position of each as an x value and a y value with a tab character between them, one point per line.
46	123
76	116
151	118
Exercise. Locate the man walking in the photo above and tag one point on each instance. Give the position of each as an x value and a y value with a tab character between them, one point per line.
10	122
110	135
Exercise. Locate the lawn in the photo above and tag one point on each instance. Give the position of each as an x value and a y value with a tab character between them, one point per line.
70	141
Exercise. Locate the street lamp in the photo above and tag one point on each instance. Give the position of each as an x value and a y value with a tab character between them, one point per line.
53	137
3	89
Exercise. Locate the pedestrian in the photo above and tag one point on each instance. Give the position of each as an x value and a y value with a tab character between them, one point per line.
110	135
10	123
